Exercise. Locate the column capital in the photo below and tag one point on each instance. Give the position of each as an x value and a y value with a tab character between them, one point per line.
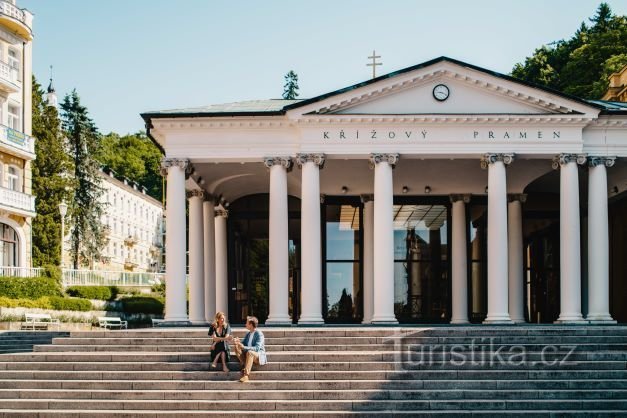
222	212
317	158
195	193
563	159
183	163
286	162
595	160
488	158
365	198
391	159
521	197
322	197
457	197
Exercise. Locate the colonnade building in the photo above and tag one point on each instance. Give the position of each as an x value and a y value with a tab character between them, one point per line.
439	193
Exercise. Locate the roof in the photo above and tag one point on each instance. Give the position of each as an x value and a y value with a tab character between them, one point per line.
248	107
610	108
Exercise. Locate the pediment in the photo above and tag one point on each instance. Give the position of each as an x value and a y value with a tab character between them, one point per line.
473	91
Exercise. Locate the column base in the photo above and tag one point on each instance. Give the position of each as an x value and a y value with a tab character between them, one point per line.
201	322
459	321
366	321
600	318
383	320
311	320
503	319
167	323
575	318
518	320
602	321
279	320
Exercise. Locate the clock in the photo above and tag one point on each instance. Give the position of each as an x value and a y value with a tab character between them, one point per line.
441	92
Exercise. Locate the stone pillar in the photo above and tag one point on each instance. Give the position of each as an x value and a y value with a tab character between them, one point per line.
598	242
515	258
459	262
311	251
279	243
196	255
498	310
222	278
175	270
368	257
570	252
209	247
383	308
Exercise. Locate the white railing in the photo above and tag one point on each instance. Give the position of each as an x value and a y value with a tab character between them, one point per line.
73	277
17	139
12	11
9	73
7	271
17	200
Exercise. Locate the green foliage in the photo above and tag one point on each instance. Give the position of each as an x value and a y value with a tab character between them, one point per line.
134	157
47	302
28	287
93	292
69	304
581	64
51	180
88	237
290	88
143	304
158	289
53	272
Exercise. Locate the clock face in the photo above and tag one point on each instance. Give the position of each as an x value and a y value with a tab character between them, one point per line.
441	92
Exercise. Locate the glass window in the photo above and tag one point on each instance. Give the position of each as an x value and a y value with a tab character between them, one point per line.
13	179
478	262
8	246
14	120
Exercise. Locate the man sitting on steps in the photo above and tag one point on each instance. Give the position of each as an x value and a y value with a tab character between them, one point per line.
252	349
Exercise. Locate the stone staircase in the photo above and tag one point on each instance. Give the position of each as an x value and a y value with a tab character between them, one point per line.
479	370
23	341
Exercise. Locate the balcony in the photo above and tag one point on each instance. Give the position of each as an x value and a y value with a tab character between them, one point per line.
9	78
130	264
131	240
17	143
17	202
16	20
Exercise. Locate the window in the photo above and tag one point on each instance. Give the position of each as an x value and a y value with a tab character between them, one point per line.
14	62
13	179
8	246
14	121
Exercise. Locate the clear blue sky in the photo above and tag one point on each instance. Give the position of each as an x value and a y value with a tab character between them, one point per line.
126	57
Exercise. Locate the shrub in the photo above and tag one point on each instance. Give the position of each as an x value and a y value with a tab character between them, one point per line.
93	292
158	289
69	304
53	272
143	304
42	303
28	287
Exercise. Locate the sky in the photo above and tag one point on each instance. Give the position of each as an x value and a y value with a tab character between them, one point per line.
125	57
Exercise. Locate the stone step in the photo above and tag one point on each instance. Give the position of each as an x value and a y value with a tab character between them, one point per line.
286	384
244	393
316	405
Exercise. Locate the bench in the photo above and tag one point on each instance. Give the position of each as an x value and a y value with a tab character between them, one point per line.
156	322
39	321
110	322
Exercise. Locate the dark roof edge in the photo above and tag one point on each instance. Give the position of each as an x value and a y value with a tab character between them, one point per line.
155	115
434	61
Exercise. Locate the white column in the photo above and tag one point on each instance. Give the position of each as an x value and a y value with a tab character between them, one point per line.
498	312
570	252
222	278
368	258
459	262
383	311
515	259
279	244
311	253
598	242
196	255
175	245
209	247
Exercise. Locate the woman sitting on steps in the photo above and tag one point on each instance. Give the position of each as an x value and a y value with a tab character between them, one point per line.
221	333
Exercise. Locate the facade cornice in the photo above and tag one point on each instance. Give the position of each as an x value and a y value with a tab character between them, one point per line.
457	119
610	122
277	122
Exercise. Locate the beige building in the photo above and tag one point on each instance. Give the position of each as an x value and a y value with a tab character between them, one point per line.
617	90
17	147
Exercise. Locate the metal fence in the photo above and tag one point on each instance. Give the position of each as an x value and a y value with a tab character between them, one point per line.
73	277
7	271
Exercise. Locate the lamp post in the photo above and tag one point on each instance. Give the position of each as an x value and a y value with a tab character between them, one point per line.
63	212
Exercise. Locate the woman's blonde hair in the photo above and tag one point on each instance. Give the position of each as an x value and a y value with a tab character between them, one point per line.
216	318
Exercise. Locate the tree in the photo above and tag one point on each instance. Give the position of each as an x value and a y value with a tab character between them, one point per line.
290	88
88	236
580	65
52	182
134	157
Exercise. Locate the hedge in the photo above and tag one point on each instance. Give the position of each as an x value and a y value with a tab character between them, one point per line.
93	292
143	304
47	302
29	287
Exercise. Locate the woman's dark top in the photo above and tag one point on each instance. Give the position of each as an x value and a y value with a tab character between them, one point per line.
221	346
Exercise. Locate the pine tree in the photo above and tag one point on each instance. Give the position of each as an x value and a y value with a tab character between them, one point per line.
51	180
290	89
88	238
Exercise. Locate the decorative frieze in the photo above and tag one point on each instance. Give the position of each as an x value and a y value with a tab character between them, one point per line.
183	163
196	193
594	161
457	197
391	159
317	159
562	159
286	162
488	159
